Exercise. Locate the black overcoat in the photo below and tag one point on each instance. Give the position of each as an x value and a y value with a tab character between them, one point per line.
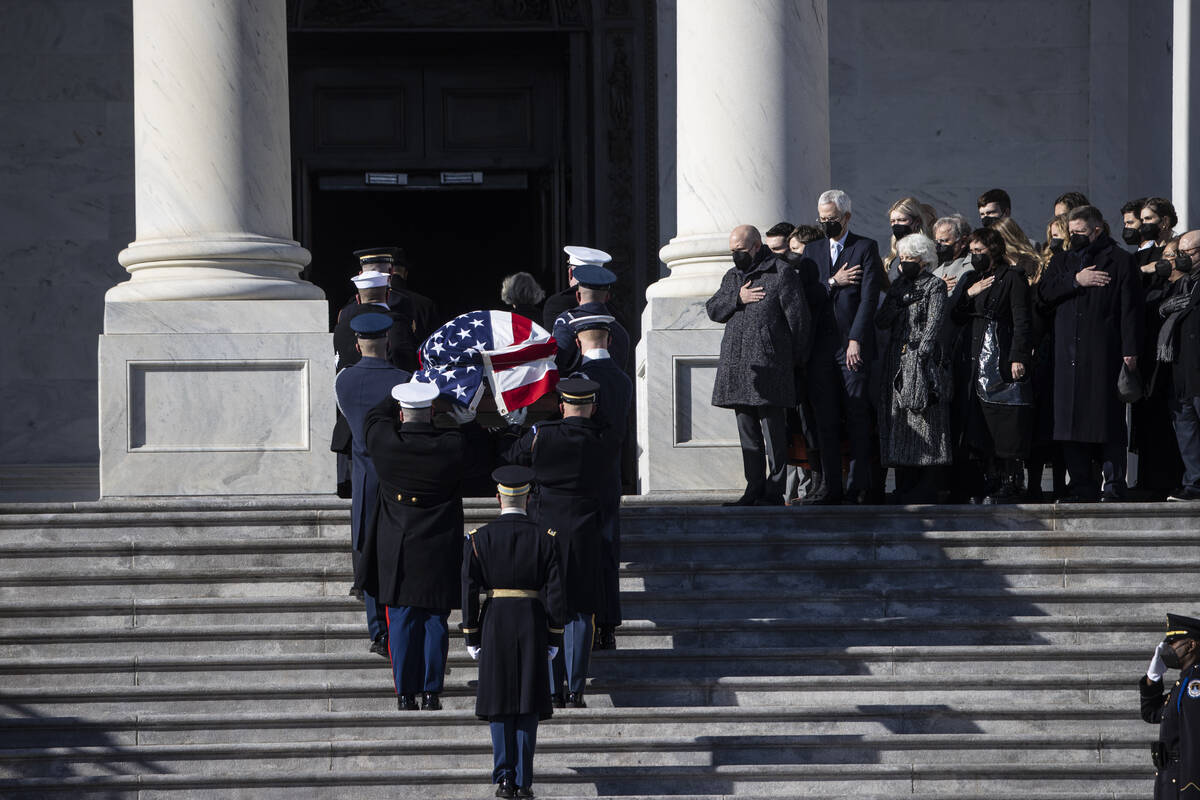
512	632
764	342
570	458
415	555
402	345
1093	329
1177	714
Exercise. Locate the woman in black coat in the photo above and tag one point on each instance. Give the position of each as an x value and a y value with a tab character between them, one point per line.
1000	412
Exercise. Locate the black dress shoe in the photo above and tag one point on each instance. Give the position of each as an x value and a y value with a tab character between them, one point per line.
575	700
769	501
605	638
822	499
524	791
356	593
559	699
406	702
744	500
430	701
505	788
380	646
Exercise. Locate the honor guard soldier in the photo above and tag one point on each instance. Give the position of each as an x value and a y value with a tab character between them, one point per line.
1176	754
372	295
557	303
569	458
514	563
411	565
391	261
592	293
358	389
591	335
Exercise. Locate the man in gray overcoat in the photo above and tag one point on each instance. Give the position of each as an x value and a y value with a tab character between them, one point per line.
767	337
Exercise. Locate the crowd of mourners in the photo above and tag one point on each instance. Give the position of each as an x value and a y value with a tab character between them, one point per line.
968	359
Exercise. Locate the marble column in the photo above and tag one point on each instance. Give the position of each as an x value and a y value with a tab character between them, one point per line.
752	147
215	363
1185	102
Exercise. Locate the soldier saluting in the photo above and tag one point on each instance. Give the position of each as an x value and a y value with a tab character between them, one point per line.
1177	712
514	562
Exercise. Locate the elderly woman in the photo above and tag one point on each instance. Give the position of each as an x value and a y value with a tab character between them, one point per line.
521	293
1000	410
914	412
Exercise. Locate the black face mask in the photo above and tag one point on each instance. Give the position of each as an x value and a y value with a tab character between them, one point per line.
982	262
1162	268
1183	263
1056	243
793	257
1079	241
945	253
1132	235
910	269
742	260
989	221
1149	232
832	228
1171	658
900	231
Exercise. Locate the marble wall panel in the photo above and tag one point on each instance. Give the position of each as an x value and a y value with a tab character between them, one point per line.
66	210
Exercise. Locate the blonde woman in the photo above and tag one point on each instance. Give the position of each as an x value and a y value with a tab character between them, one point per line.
906	216
1019	249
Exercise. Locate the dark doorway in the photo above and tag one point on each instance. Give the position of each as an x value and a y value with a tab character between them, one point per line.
460	241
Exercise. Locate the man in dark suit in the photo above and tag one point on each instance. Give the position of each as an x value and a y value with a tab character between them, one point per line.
848	271
557	303
412	563
359	388
514	563
593	338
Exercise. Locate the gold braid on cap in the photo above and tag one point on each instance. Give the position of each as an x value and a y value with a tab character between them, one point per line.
513	491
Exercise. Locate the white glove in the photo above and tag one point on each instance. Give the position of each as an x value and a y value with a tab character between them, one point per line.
551	651
461	414
473	652
517	417
1157	667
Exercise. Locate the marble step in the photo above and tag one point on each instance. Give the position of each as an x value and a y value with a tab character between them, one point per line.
579	752
785	780
1085	662
1002	718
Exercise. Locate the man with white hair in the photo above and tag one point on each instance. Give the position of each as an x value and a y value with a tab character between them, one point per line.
849	271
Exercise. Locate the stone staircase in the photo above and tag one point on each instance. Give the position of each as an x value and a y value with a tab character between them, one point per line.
190	649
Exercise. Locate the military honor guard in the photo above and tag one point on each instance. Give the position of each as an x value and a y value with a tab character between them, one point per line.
557	303
411	564
594	284
372	292
592	334
569	458
1176	754
514	564
358	389
391	261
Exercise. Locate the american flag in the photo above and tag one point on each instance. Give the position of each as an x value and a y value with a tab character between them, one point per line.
514	354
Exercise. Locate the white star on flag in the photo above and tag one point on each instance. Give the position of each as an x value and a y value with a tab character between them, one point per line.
477	323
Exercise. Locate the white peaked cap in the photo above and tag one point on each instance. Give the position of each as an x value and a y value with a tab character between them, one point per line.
578	256
370	279
415	394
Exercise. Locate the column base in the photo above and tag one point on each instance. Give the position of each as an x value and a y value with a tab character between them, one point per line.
685	443
216	398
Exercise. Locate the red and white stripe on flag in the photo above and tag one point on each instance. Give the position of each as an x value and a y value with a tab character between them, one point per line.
521	367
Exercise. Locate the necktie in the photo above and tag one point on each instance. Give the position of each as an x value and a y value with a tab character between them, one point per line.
835	250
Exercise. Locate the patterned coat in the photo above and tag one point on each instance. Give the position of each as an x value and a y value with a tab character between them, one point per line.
914	408
764	342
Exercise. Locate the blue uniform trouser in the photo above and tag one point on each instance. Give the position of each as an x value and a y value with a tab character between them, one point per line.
513	738
570	666
418	642
376	617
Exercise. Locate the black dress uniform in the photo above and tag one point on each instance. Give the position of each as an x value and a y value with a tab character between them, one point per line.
412	563
569	458
557	303
514	562
615	397
1177	714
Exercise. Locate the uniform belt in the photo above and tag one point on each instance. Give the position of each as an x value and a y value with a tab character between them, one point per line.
416	499
510	593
